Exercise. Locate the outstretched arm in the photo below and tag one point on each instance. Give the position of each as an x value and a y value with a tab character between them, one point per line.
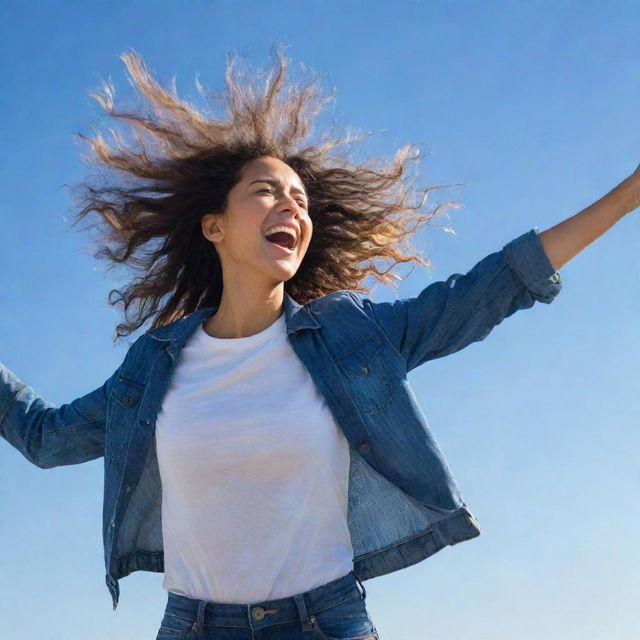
566	239
450	314
50	436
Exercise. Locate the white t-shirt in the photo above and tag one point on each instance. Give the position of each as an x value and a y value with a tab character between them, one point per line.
254	473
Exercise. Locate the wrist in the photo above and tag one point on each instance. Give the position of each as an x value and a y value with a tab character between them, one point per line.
626	195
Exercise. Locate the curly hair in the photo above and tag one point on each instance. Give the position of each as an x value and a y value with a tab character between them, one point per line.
185	161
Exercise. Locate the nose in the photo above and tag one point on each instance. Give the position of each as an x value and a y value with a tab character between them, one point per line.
292	205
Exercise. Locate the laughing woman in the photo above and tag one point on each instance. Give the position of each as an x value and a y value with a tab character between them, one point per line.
262	445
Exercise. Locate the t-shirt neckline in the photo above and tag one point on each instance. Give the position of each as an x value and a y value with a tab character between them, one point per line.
274	329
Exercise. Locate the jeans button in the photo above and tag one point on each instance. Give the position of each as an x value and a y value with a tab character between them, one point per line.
258	613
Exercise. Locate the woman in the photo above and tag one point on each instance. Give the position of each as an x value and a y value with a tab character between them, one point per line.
262	445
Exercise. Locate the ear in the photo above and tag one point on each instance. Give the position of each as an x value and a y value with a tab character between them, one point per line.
211	227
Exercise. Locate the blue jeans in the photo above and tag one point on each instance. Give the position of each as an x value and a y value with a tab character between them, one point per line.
333	611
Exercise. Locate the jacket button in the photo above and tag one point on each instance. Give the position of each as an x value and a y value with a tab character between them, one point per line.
127	489
363	446
113	523
555	278
145	422
365	370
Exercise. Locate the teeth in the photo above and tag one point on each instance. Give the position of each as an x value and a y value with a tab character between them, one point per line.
281	227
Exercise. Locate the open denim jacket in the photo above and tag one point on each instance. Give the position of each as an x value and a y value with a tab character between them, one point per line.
403	503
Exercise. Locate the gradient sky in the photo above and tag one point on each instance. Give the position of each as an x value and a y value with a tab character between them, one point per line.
532	107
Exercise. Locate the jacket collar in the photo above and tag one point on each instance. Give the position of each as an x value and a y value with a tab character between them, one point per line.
297	317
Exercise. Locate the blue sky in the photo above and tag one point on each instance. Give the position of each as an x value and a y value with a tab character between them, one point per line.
533	108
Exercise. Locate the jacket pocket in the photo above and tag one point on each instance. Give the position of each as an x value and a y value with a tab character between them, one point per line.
127	392
364	370
122	414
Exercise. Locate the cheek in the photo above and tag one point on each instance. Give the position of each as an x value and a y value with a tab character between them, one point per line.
304	244
243	243
248	233
309	233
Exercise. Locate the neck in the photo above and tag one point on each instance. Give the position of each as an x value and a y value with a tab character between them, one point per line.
241	315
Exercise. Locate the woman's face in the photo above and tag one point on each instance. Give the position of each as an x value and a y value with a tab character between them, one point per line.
269	193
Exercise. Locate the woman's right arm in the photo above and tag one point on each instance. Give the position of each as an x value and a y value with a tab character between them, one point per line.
50	436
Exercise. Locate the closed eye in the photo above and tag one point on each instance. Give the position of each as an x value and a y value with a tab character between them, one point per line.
301	202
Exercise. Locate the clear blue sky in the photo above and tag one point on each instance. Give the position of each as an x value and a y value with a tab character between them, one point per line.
533	107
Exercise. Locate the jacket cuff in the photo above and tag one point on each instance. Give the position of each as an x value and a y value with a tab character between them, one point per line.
526	256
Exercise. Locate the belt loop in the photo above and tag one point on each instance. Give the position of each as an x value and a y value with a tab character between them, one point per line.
302	610
364	591
198	625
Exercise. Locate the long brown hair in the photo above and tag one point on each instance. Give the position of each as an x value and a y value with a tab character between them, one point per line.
183	164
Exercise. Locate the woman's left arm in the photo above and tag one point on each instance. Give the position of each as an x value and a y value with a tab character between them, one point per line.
566	239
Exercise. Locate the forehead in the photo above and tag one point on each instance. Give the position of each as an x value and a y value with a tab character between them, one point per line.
272	167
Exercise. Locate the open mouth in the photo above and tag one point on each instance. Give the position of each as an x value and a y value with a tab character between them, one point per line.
282	239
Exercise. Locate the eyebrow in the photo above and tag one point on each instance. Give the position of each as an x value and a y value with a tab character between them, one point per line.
276	183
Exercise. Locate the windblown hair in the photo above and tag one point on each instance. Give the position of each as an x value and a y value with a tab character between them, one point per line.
184	163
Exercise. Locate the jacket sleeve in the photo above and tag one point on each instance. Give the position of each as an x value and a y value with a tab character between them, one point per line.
451	314
49	436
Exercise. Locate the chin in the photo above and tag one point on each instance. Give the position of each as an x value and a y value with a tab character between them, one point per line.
283	275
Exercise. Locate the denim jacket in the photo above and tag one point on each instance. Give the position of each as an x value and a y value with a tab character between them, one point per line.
403	502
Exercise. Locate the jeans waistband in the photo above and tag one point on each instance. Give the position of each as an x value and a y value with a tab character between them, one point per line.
258	615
